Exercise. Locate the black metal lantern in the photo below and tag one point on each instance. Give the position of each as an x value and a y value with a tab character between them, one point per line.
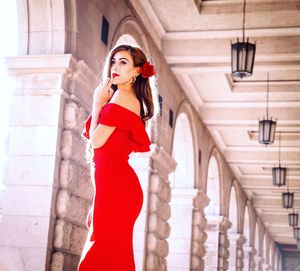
297	233
287	200
242	54
242	58
267	127
293	219
279	175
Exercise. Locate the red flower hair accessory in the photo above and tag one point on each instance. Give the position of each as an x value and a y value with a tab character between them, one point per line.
147	70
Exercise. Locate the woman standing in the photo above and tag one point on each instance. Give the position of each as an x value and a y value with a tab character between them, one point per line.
115	128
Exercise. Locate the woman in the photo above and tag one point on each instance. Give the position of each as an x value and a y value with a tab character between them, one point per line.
115	128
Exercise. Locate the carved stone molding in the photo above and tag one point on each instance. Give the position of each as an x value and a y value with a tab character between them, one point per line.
224	225
157	249
199	235
252	263
162	161
240	255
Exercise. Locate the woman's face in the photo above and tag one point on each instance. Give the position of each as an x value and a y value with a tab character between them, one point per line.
122	68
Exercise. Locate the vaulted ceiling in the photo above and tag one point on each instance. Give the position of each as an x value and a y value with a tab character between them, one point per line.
195	36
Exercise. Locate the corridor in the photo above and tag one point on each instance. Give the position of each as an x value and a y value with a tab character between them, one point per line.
209	198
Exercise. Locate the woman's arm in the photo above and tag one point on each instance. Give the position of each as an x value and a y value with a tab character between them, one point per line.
100	133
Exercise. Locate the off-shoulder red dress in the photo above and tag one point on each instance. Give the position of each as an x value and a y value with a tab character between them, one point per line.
118	195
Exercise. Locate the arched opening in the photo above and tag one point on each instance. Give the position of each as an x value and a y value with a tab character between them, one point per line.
247	247
139	42
182	194
232	232
277	260
256	245
272	255
127	39
183	153
213	188
212	214
140	163
265	248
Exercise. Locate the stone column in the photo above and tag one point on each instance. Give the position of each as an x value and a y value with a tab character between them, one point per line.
252	263
240	264
248	250
46	171
181	221
212	242
140	164
199	235
266	267
225	224
162	164
259	262
75	188
232	259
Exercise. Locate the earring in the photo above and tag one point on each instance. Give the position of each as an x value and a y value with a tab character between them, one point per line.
133	79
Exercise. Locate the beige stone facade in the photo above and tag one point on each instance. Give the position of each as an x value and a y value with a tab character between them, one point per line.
196	214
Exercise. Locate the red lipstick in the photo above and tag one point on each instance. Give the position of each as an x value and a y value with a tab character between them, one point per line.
115	74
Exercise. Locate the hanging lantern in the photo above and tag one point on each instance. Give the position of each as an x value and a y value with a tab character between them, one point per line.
297	233
242	54
279	175
287	200
242	58
293	219
267	127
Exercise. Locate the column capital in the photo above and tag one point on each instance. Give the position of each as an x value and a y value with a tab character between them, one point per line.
259	259
201	200
249	249
27	64
159	154
241	240
266	267
225	224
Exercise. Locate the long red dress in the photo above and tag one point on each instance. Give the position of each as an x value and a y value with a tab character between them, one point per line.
118	195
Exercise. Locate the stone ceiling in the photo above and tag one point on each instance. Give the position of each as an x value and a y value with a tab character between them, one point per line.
195	36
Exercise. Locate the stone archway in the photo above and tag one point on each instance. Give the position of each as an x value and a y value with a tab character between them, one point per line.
266	250
256	247
38	33
248	251
272	255
129	31
139	161
182	195
212	214
232	232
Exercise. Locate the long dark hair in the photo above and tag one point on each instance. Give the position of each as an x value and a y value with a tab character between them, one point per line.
143	90
141	85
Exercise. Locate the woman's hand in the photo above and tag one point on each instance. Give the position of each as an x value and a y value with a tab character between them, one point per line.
104	93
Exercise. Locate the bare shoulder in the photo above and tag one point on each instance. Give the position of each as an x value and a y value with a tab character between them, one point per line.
129	101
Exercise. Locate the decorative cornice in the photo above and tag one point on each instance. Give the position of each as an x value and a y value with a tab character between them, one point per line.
29	64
